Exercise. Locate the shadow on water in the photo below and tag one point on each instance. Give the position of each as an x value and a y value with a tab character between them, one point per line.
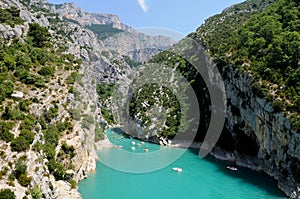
249	176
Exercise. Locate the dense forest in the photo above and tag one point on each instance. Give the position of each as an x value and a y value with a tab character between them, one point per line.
267	45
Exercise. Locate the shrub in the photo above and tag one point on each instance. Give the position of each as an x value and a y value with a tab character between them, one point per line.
51	113
20	168
4	131
107	116
28	135
68	149
73	184
23	106
11	16
40	35
49	150
277	105
51	135
72	78
36	192
76	114
12	114
28	123
46	71
57	169
20	144
24	180
7	194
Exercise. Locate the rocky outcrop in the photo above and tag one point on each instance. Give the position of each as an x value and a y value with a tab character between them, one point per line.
130	42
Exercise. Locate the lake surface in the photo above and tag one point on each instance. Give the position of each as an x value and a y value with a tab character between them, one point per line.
200	178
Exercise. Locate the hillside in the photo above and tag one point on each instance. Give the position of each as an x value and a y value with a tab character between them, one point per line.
255	47
266	46
50	66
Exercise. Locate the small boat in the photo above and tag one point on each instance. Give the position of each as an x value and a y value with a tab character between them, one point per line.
231	168
142	142
138	144
120	146
133	148
133	143
145	149
178	169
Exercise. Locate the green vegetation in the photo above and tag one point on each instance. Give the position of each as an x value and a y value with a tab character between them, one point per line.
68	150
6	89
218	32
131	62
99	132
72	78
23	106
27	64
20	173
4	171
76	115
36	192
105	91
148	96
73	184
12	114
11	16
187	70
24	180
39	35
5	135
267	46
46	71
7	194
51	135
107	115
51	113
104	30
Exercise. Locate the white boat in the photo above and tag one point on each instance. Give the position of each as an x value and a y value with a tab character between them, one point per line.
145	149
142	142
178	169
120	146
133	143
133	148
138	144
232	168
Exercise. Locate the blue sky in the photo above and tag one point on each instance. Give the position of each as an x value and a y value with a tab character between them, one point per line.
183	16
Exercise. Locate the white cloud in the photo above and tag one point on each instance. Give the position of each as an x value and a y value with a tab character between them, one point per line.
143	5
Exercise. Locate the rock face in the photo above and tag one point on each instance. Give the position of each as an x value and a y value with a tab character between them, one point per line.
98	66
71	11
262	139
134	44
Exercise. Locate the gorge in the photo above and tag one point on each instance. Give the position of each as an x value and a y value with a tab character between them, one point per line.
75	60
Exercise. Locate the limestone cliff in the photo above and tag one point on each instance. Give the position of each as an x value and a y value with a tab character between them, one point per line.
63	94
258	137
127	42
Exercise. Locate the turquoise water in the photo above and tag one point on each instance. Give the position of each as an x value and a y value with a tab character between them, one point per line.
200	178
